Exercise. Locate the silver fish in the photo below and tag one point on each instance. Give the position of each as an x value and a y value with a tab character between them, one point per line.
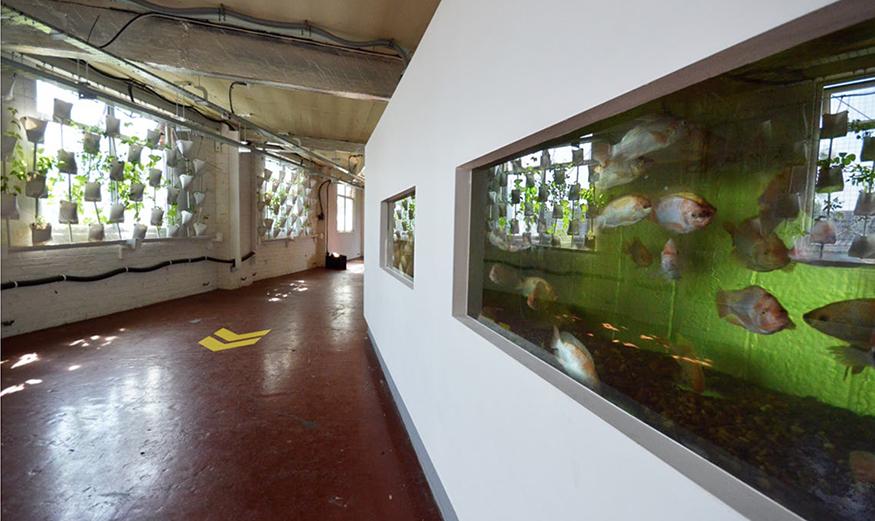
684	212
537	291
624	211
850	320
754	309
853	358
619	171
669	261
652	134
506	276
756	249
574	357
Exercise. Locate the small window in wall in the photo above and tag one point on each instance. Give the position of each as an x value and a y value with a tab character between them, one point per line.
400	213
345	208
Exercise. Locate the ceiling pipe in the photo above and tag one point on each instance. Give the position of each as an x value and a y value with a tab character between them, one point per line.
38	69
218	15
14	16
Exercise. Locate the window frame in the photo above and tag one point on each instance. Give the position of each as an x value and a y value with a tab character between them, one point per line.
737	494
387	234
348	199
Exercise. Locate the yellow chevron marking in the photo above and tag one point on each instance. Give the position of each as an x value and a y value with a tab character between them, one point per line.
215	345
230	336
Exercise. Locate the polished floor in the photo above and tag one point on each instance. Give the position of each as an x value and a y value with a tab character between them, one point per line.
127	417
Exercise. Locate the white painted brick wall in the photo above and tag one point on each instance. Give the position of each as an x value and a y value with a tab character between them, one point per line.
33	308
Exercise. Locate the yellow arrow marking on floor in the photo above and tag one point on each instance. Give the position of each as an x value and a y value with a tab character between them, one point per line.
232	338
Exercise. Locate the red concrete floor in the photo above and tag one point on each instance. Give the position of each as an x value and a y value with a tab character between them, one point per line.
127	417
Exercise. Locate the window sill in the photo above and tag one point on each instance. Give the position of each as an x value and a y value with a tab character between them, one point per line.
408	281
97	244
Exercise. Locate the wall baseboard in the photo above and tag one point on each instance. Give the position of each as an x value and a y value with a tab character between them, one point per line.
434	482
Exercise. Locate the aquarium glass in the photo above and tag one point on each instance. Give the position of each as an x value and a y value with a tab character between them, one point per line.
706	262
399	234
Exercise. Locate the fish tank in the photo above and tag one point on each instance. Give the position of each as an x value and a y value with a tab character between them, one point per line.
400	212
705	262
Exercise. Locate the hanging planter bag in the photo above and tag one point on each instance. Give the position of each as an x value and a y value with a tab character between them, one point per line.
171	157
116	213
34	128
112	126
66	162
137	191
157	217
574	192
95	232
198	165
185	180
185	217
200	229
823	232
199	198
68	213
557	211
172	195
140	231
155	177
62	111
867	153
9	205
91	143
829	180
117	171
186	148
863	247
134	153
36	187
834	125
173	230
865	204
152	137
92	192
40	235
267	223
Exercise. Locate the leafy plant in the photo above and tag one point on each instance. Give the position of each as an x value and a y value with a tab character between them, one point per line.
831	205
862	175
18	168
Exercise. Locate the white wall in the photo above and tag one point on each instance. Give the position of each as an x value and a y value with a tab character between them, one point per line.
33	308
506	444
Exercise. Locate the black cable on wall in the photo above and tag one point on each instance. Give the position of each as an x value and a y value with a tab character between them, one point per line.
12	284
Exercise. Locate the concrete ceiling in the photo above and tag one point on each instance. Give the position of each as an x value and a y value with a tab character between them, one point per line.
330	97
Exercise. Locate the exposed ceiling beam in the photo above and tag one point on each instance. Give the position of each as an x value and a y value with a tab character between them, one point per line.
12	18
208	49
330	144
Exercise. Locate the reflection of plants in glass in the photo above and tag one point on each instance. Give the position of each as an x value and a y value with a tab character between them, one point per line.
862	175
172	215
831	205
18	168
843	159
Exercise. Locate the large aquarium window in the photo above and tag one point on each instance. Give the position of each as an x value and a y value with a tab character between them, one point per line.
705	262
400	214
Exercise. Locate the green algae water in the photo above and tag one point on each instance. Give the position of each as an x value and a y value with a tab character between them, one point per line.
706	262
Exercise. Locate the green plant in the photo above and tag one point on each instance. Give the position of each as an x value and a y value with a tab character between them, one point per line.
862	175
18	168
172	215
831	205
39	222
843	159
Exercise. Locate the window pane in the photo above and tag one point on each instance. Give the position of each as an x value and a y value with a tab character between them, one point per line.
704	262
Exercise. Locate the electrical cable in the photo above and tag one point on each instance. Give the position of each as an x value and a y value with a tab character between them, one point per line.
222	13
124	27
231	91
118	271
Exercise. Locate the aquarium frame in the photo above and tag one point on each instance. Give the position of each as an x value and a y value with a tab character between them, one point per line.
742	497
386	236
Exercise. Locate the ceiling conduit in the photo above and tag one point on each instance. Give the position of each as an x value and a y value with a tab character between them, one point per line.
14	16
219	14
